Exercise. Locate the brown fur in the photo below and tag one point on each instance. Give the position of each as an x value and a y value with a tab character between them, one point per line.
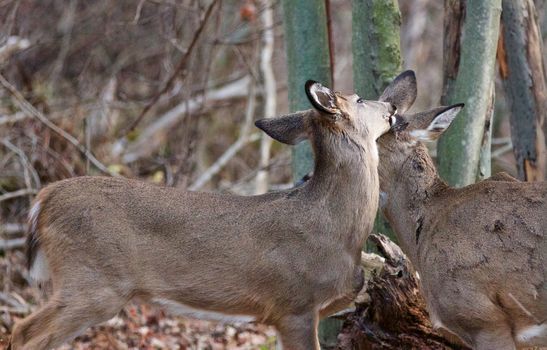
286	258
480	250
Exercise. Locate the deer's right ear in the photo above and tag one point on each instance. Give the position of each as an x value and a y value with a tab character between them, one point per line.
402	91
289	129
437	123
322	98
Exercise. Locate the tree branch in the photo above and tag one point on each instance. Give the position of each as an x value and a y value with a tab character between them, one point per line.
27	107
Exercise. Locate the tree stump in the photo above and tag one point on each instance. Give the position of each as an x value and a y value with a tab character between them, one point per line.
390	311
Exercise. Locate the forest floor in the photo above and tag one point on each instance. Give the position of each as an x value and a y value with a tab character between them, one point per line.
137	326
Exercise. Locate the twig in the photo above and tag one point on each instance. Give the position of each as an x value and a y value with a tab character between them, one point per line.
14	301
7	119
502	150
138	12
67	24
9	244
142	144
180	69
222	160
261	182
11	229
18	193
27	107
243	139
25	162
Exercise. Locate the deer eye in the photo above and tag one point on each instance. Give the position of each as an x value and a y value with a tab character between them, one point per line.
360	100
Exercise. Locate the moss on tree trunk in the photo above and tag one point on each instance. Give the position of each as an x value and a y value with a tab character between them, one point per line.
471	33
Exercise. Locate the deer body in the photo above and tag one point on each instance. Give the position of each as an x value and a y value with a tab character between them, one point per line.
481	250
284	258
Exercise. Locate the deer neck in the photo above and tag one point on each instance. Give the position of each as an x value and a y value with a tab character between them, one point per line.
407	187
345	175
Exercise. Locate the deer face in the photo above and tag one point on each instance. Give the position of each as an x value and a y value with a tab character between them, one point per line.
345	116
396	146
351	114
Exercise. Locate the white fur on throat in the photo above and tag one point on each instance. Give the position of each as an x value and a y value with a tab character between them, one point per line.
185	310
39	271
33	216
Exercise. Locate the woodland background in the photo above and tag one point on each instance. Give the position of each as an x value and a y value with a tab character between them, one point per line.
167	91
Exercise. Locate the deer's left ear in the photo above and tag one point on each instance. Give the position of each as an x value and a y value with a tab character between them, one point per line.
438	124
402	91
289	129
322	98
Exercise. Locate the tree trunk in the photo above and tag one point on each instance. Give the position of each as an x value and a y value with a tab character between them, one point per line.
306	41
307	47
522	71
376	56
470	40
376	45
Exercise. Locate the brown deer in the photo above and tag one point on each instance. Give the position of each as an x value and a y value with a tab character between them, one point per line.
480	250
285	258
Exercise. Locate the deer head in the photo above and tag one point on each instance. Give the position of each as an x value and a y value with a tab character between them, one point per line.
335	116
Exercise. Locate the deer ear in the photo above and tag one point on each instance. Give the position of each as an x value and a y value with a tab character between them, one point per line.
402	91
289	129
322	98
440	122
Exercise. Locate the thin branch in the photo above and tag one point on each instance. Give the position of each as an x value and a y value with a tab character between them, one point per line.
11	229
261	182
8	119
243	139
25	162
9	244
144	141
180	69
27	107
222	160
18	193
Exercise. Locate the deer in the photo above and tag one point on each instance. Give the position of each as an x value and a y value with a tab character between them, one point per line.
480	250
285	258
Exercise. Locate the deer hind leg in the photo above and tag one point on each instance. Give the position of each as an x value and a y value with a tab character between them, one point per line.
63	318
299	332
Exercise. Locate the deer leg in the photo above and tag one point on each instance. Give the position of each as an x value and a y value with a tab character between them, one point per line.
62	319
299	332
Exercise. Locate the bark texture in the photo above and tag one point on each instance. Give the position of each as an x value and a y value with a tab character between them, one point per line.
306	40
376	45
523	74
471	33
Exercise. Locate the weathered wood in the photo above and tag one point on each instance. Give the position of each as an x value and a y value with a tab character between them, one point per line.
393	314
471	33
522	71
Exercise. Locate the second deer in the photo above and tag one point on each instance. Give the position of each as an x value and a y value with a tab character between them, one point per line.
480	250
